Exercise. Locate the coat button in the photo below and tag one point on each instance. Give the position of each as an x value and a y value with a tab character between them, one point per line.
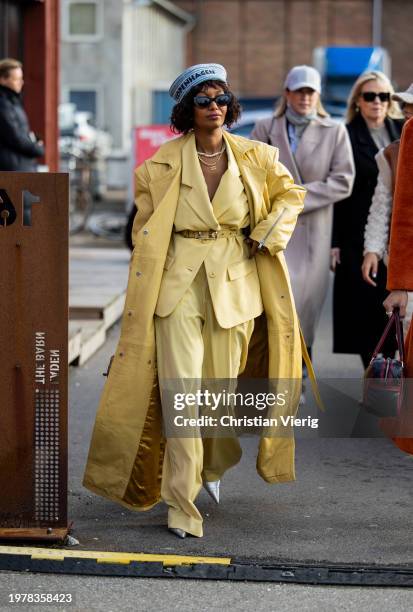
212	274
138	273
145	232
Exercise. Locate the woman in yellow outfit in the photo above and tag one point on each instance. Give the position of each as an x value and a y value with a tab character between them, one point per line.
208	298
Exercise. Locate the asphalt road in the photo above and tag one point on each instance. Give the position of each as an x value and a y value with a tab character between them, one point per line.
159	595
351	503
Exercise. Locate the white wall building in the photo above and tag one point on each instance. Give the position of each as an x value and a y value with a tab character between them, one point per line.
117	56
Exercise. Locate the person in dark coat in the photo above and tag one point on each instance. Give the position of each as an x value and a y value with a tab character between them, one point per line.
18	146
358	316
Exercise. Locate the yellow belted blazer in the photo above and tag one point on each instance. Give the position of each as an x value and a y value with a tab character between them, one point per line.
232	277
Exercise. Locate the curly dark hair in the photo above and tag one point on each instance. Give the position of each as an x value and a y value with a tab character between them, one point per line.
182	116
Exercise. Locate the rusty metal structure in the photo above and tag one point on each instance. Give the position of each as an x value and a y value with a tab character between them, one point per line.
33	355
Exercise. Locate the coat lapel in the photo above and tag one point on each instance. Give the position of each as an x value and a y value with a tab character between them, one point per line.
279	139
311	137
167	175
160	188
164	168
196	196
394	128
253	175
366	147
229	188
254	182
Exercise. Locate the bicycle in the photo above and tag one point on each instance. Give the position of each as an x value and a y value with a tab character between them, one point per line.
79	164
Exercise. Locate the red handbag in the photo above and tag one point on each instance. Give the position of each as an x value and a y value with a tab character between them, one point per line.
384	388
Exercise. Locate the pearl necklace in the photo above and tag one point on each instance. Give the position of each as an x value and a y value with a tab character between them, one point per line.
212	154
213	166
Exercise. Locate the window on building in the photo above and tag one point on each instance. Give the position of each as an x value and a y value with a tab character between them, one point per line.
82	21
162	104
85	100
82	18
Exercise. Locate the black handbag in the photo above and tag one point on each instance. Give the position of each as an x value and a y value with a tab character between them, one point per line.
384	387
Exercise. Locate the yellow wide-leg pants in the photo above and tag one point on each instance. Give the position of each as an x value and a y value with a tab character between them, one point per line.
191	346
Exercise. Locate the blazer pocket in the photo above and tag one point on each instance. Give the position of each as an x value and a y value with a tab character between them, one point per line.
168	262
241	268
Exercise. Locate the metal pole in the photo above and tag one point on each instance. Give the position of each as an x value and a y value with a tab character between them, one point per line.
377	22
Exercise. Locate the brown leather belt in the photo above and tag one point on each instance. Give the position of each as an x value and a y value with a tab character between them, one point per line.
210	234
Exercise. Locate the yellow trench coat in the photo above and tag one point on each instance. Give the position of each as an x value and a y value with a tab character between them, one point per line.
125	457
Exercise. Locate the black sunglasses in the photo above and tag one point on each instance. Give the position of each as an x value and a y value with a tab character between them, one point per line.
370	96
205	101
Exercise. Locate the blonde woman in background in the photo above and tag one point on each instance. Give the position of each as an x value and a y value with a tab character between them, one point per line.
373	122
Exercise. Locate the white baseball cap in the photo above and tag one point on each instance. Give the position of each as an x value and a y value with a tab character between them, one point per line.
404	96
303	76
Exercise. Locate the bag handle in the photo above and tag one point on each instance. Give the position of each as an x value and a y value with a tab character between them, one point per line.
394	320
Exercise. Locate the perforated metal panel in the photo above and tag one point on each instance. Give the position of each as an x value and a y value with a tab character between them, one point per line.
47	447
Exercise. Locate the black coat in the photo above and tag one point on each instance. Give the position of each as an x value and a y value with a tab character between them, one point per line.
358	314
18	151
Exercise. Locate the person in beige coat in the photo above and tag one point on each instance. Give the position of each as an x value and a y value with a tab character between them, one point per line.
317	152
208	297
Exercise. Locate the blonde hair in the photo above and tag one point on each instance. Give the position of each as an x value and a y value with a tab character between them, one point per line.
8	64
282	107
393	110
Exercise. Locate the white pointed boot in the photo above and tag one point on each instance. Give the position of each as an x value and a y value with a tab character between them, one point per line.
212	488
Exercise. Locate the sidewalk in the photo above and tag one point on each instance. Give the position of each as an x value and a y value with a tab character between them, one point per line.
98	272
350	503
98	279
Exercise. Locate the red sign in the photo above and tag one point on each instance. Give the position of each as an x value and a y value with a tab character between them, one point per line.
147	139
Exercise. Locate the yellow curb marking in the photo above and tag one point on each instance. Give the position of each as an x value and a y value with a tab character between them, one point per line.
110	557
